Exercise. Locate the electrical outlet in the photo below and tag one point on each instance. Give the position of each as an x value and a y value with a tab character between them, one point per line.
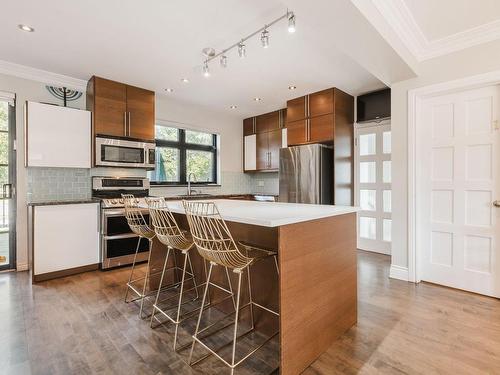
260	183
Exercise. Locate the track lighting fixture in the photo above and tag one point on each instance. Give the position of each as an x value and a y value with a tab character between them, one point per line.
242	50
291	22
223	61
209	53
206	70
264	38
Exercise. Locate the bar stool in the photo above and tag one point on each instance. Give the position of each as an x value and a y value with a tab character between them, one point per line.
141	228
168	233
216	244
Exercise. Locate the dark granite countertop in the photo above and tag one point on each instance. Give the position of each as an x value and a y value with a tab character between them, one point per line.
62	202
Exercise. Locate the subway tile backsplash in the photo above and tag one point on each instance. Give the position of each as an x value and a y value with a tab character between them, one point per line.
53	184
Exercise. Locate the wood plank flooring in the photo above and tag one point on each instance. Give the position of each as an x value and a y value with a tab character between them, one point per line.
80	325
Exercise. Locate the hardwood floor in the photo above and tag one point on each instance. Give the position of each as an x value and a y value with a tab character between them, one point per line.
80	325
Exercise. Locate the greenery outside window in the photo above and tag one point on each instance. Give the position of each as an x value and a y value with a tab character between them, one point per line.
180	152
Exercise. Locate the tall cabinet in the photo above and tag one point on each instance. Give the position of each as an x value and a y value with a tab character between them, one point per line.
326	116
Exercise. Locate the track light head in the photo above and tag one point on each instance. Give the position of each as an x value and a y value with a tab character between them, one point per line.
206	70
264	38
242	51
291	22
223	61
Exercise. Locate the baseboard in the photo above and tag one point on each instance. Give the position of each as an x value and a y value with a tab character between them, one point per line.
398	272
22	267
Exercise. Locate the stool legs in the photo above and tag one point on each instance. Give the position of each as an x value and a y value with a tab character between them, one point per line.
133	268
236	321
159	287
205	292
146	280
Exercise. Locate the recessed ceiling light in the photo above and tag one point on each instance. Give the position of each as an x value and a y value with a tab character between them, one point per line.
169	90
233	107
257	99
185	80
292	87
26	28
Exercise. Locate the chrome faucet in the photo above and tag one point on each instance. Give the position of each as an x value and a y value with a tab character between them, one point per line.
189	191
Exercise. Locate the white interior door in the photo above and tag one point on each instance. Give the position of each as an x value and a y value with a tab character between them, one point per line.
373	187
458	181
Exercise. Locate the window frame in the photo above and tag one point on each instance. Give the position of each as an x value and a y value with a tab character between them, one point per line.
183	147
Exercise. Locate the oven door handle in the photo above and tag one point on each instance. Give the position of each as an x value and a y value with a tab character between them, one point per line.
120	236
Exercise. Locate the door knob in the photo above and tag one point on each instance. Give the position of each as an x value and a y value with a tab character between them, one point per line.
496	203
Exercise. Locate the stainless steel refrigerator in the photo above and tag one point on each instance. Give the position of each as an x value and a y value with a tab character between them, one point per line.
306	174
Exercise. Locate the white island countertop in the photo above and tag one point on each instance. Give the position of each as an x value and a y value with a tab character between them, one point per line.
269	214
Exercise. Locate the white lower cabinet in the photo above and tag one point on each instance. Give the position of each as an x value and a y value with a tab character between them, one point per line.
64	239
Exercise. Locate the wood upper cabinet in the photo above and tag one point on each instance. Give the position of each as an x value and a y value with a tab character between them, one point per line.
141	113
108	102
120	110
296	109
267	122
248	126
262	151
321	128
275	142
297	132
321	103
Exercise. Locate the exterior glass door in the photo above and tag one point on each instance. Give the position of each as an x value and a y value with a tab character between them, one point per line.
7	182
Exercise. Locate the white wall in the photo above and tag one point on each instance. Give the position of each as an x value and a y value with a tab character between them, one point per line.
469	62
186	115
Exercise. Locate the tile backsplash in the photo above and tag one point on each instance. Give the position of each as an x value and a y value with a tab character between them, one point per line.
51	184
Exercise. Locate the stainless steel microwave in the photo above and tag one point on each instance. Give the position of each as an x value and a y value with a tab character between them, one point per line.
110	152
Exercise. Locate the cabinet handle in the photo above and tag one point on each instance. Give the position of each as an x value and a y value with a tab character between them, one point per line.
129	121
125	123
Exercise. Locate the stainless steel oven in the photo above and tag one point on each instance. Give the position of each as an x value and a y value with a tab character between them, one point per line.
111	152
118	242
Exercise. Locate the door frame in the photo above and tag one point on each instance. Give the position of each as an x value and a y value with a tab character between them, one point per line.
415	99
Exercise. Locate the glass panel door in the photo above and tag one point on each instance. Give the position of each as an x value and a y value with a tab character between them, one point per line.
7	180
373	187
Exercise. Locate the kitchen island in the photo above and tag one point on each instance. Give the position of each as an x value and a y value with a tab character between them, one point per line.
316	291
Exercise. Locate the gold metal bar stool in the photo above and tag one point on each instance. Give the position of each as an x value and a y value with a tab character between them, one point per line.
168	233
216	244
140	227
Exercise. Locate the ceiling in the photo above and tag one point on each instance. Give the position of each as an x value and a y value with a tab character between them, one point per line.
432	28
156	44
441	18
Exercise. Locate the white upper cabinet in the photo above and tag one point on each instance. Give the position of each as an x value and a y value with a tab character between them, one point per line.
250	156
57	136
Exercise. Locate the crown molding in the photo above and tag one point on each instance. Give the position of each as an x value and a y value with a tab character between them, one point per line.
401	20
27	72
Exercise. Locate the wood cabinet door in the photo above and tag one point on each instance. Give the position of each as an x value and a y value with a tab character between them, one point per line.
275	143
262	148
141	113
296	109
110	107
267	122
248	126
321	103
297	132
321	128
